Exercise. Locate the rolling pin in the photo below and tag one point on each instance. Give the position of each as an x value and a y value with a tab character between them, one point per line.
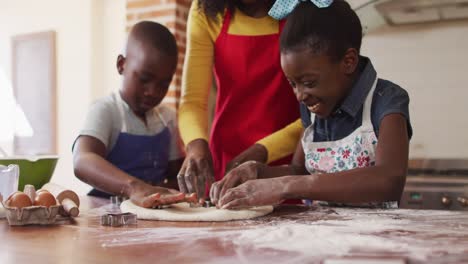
67	198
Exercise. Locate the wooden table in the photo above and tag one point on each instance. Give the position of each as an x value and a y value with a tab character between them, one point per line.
292	234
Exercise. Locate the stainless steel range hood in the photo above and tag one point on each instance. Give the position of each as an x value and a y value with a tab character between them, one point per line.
375	13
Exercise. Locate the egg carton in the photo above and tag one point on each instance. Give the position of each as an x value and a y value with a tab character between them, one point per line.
31	215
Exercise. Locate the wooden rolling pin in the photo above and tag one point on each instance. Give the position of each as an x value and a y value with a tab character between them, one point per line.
67	198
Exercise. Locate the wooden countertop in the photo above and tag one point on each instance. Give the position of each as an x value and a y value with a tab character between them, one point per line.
292	234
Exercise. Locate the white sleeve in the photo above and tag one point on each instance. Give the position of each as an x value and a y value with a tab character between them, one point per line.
176	148
98	122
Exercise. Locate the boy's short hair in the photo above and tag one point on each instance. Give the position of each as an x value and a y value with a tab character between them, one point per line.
332	30
156	35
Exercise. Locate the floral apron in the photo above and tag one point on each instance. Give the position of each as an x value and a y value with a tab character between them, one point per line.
354	151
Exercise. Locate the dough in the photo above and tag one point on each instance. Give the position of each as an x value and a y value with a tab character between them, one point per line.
183	212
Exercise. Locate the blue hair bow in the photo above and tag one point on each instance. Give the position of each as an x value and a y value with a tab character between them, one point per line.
282	8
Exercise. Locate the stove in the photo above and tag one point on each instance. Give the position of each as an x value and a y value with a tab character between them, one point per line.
440	184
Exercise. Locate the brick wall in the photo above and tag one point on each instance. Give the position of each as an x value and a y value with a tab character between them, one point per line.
173	14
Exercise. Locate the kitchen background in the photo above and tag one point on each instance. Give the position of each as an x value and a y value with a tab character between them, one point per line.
420	44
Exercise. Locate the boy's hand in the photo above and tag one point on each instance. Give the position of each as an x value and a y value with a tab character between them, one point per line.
197	169
153	196
246	171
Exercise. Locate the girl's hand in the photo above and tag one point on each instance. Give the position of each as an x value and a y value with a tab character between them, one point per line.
245	172
197	169
151	196
253	193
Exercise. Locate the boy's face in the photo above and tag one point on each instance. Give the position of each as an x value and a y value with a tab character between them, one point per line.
147	73
318	82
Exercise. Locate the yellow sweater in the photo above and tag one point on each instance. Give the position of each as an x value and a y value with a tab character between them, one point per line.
198	75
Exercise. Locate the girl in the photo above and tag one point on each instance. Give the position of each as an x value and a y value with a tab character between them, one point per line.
355	150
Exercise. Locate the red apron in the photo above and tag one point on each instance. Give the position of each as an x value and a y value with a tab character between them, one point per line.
254	98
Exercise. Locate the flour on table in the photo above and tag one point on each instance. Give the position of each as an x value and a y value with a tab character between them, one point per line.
316	235
183	212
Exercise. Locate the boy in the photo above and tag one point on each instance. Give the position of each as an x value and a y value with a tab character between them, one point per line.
129	143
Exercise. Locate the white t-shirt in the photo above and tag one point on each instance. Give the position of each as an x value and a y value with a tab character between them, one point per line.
104	122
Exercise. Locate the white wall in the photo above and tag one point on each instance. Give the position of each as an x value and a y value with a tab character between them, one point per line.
431	62
88	31
109	37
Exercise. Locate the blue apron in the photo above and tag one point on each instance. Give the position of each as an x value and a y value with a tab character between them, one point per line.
141	156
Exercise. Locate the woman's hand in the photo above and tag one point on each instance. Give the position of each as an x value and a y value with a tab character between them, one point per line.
246	171
197	169
256	152
148	196
253	193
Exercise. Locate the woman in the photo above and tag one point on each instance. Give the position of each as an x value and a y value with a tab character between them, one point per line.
238	41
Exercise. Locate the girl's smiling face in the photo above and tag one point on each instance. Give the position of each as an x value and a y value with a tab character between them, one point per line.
318	82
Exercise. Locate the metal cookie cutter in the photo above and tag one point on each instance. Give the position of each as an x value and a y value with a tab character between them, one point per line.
118	219
117	200
206	204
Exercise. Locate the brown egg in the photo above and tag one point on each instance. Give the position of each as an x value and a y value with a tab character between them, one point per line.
19	200
44	198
